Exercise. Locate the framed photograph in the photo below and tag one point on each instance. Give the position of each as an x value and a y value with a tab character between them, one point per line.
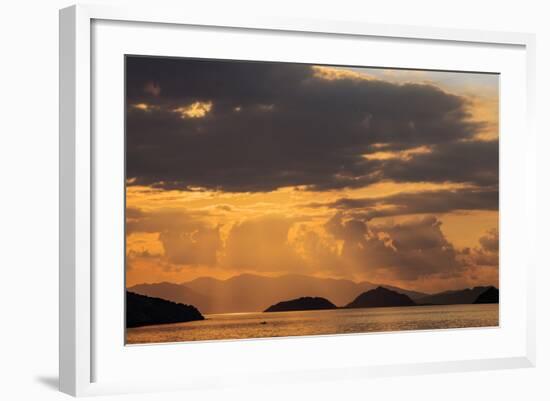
268	200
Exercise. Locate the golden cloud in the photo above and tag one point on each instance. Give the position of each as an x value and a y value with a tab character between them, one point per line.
333	74
144	106
407	154
194	110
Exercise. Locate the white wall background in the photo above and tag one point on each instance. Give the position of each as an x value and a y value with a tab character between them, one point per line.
29	197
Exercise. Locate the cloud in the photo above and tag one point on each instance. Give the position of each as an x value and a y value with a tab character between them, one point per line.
490	241
261	244
333	74
198	247
187	239
152	88
404	203
487	254
144	106
407	251
294	127
472	162
138	220
194	110
414	250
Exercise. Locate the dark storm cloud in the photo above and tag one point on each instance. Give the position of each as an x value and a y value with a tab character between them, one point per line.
185	80
275	125
474	162
440	201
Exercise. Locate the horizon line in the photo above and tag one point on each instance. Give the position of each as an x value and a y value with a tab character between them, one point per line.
315	277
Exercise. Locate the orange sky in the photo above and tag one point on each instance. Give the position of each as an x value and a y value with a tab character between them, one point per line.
178	234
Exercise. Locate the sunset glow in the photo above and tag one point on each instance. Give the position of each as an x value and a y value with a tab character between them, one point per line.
378	175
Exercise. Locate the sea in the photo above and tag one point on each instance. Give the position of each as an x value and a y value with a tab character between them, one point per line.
232	326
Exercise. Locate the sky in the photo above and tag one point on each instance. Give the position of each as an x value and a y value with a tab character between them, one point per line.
383	175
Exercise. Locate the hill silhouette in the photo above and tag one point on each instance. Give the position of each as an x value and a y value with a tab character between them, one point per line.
143	311
465	296
178	293
252	293
303	303
489	296
380	297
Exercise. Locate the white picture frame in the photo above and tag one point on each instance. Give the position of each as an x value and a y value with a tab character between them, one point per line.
80	373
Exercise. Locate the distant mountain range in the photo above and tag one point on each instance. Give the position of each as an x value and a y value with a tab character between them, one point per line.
253	293
303	303
465	296
144	311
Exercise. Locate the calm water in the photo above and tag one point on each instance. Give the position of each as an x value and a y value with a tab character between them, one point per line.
339	321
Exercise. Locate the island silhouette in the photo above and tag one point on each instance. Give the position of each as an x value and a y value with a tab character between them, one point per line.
489	296
303	303
380	297
144	311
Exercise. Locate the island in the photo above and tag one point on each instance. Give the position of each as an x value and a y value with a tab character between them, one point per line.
301	304
489	296
142	310
380	297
